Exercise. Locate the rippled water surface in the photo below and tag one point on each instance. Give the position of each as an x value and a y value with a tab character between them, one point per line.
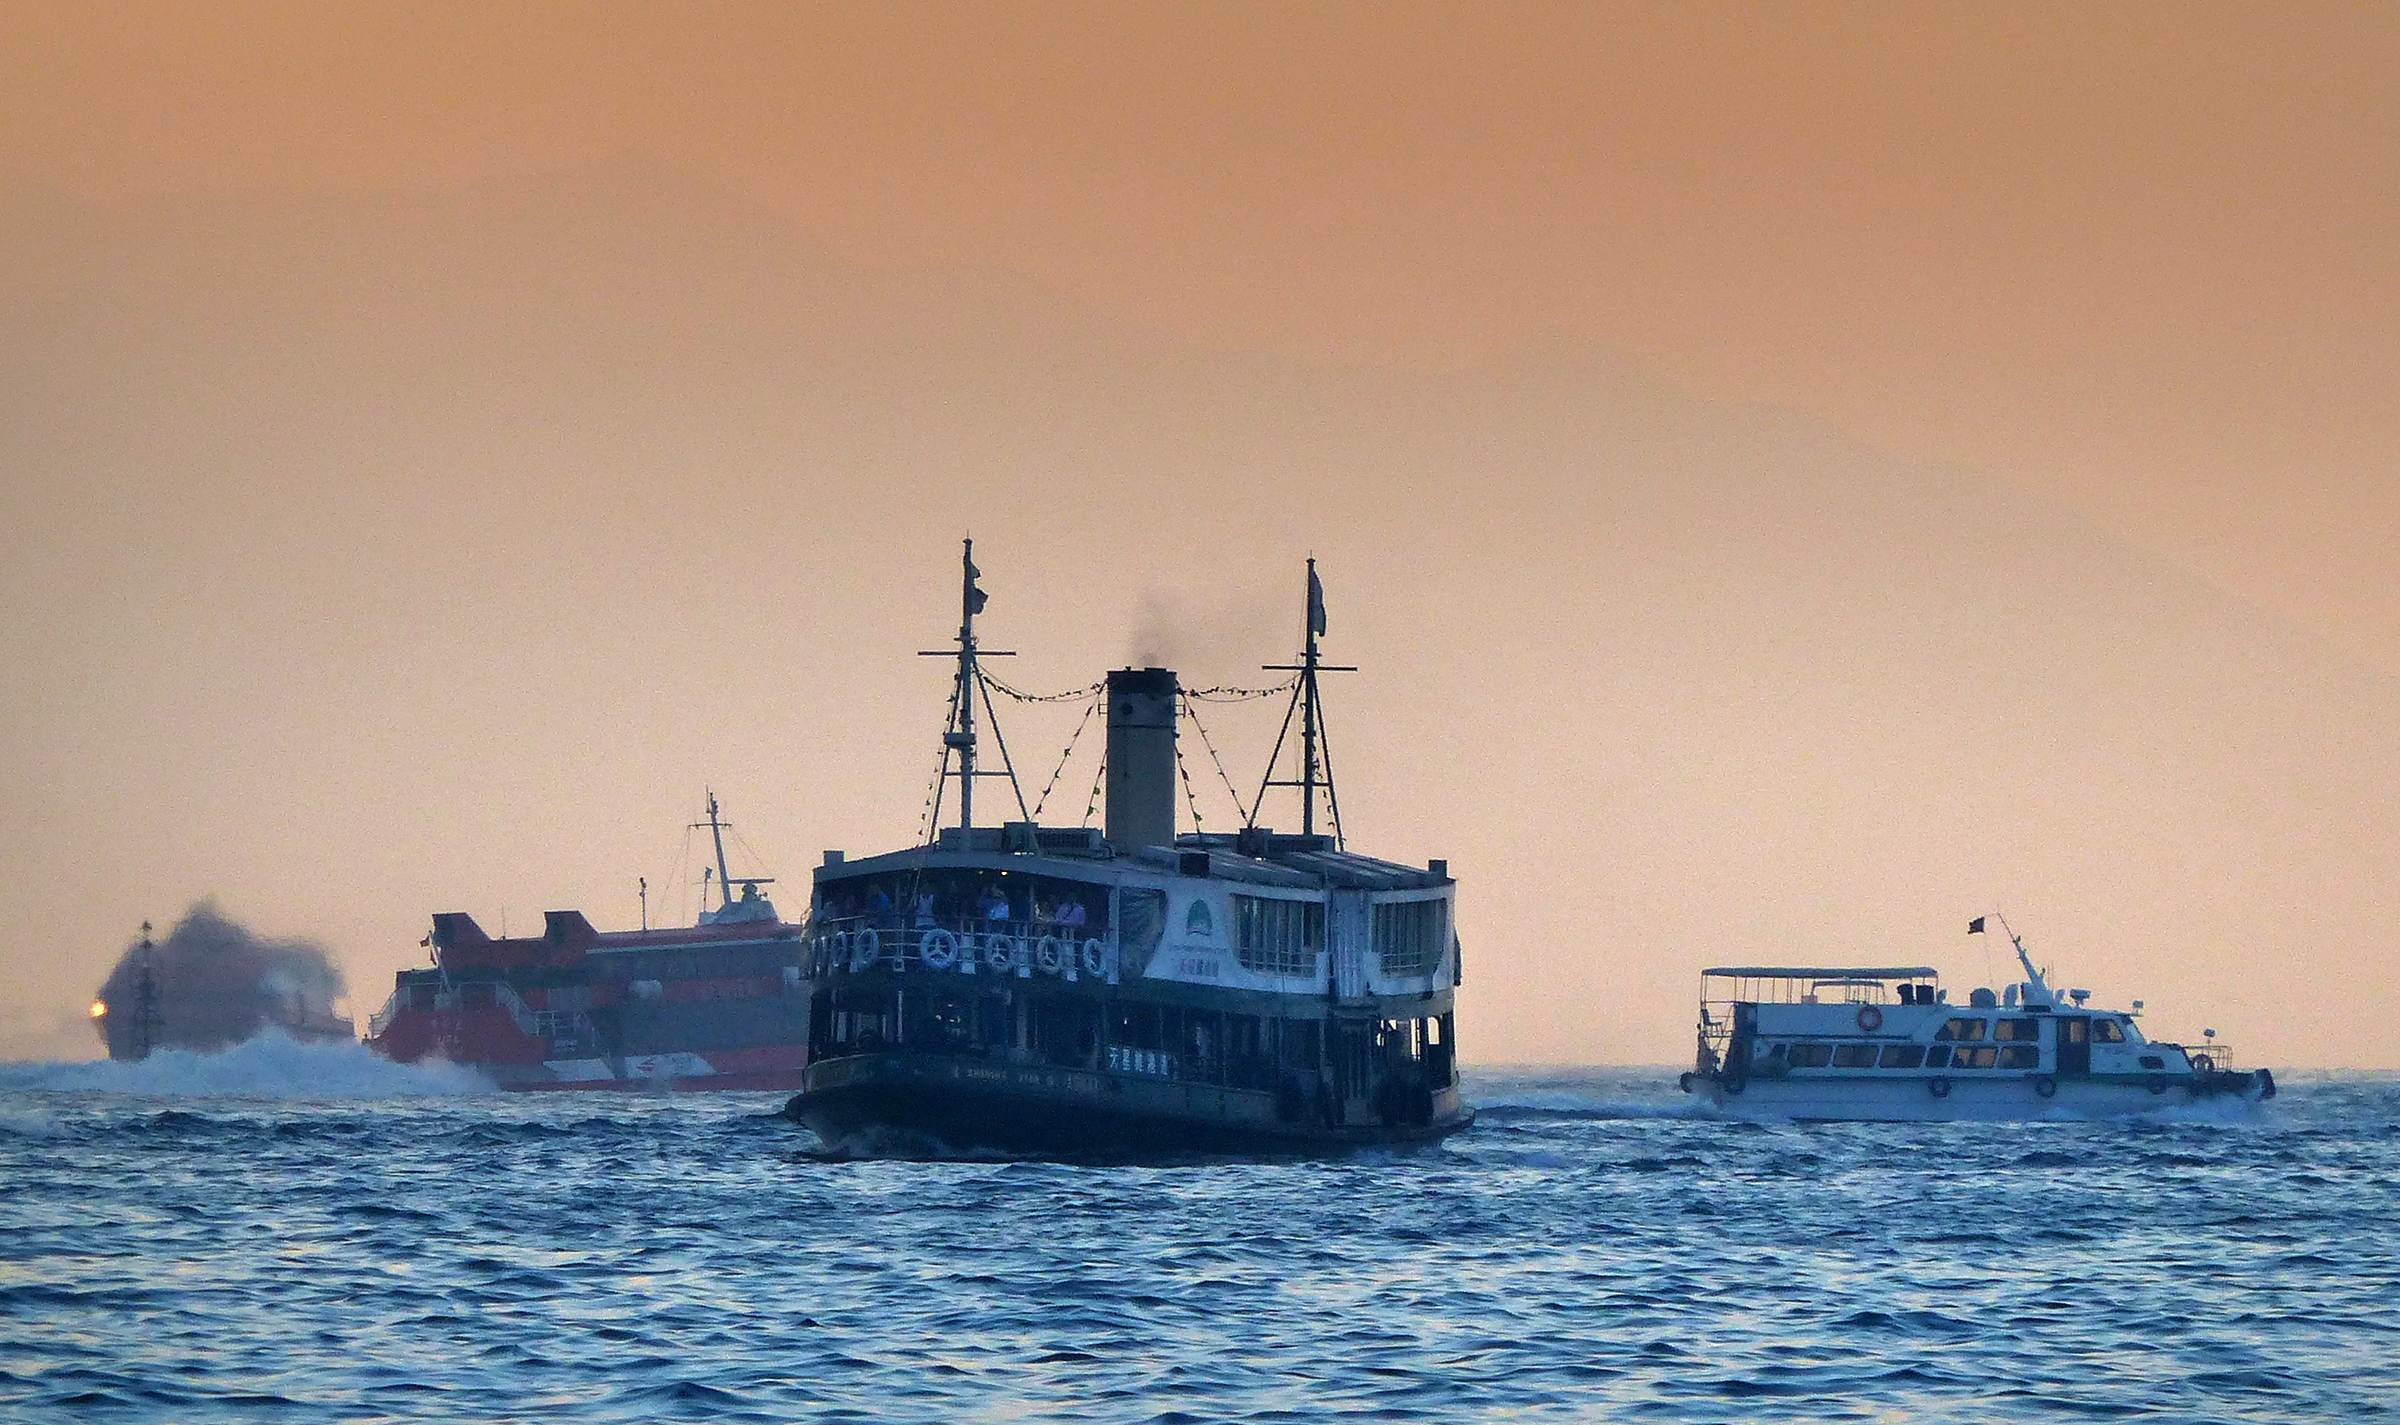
290	1234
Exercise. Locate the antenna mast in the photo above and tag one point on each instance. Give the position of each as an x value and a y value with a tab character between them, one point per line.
146	1027
716	830
958	736
1316	750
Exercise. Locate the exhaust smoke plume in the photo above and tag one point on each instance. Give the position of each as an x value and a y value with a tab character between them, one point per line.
215	984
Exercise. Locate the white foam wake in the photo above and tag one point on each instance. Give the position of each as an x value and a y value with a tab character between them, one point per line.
272	1065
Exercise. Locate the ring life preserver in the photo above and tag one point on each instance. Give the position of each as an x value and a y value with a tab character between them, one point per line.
2157	1084
1733	1083
837	948
1095	957
866	947
2204	1063
1939	1088
1870	1018
2045	1086
999	952
1683	1083
1050	955
938	950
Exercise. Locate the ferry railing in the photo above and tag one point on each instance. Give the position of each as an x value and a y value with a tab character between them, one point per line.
381	1019
509	1001
961	946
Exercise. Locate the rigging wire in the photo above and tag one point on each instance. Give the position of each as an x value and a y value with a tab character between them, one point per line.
1088	690
1230	694
1098	777
1085	721
1247	816
1189	795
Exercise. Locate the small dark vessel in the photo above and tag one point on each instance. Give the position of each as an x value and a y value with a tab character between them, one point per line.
211	985
1126	990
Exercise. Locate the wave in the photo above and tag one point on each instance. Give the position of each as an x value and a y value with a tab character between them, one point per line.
1557	1106
272	1065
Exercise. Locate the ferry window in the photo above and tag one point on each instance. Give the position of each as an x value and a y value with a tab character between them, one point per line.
1811	1056
2022	1031
1854	1056
1409	936
1903	1056
2074	1031
2107	1031
2153	1061
1141	920
2019	1056
1937	1057
1959	1030
1278	937
1981	1058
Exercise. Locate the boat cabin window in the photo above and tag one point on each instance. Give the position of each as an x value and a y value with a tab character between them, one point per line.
1959	1030
1409	936
1974	1058
2022	1031
1903	1056
1854	1056
2107	1031
1811	1056
2074	1031
2019	1056
1278	937
966	898
1938	1057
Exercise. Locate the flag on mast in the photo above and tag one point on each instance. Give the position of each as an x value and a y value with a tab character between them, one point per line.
1975	926
1316	601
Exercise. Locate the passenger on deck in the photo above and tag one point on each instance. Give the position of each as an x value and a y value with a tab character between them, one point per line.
924	908
1071	915
995	905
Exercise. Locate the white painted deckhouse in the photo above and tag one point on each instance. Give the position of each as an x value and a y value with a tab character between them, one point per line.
1126	988
1884	1043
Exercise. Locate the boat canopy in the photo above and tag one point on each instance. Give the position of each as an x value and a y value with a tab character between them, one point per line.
1824	973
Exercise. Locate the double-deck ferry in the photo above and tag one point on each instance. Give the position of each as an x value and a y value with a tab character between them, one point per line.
1125	989
1884	1043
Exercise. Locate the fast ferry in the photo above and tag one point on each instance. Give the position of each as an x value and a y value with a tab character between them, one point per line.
720	1004
1122	988
1884	1044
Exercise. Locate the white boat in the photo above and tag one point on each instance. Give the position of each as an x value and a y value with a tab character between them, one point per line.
1883	1043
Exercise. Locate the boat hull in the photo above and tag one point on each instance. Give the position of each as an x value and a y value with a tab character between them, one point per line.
1968	1098
969	1104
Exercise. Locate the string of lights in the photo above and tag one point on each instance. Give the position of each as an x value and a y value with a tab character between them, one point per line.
1056	772
1222	776
1230	694
1087	691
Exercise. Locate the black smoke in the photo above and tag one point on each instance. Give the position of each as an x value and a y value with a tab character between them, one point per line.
216	984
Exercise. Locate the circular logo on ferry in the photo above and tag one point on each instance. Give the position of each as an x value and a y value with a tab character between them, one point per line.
1196	921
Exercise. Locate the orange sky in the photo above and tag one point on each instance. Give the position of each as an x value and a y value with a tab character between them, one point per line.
2135	261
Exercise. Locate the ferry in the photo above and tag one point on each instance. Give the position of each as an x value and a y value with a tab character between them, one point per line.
1884	1044
719	1004
1126	989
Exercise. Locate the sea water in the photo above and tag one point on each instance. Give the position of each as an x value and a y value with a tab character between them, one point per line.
297	1233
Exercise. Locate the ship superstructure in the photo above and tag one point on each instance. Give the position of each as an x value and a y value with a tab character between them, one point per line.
720	1004
1125	988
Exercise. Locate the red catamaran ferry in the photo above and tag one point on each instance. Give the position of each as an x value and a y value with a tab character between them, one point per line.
718	1005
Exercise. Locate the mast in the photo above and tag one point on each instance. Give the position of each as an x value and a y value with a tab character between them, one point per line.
2035	985
958	736
1316	750
716	830
146	1026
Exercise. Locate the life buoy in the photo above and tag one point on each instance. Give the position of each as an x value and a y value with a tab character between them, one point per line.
1683	1083
999	952
1050	956
1733	1083
2202	1063
1870	1018
2157	1084
1095	957
1939	1088
866	947
938	950
2045	1086
837	948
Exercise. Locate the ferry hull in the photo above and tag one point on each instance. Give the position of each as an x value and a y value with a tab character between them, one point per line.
1965	1099
965	1104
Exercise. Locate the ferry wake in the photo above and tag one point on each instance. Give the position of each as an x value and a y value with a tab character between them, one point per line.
1124	989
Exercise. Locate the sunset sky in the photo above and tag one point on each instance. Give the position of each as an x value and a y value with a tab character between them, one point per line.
1794	478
